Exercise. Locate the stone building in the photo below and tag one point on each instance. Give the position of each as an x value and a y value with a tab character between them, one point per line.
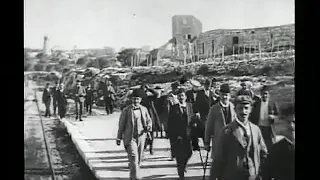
210	42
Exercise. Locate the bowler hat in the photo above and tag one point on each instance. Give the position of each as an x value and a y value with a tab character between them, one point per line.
265	88
181	90
225	88
137	93
243	99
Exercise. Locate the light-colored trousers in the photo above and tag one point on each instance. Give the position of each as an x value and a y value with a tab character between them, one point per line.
135	151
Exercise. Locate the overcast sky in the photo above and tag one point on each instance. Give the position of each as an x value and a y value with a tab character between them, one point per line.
134	23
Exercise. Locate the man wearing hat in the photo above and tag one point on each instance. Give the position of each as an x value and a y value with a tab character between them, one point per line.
134	126
46	99
264	113
54	97
179	127
219	116
280	161
204	100
79	98
245	89
171	100
62	101
240	148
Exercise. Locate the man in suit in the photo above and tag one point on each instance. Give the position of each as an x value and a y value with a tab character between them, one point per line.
54	98
171	100
134	124
79	98
263	114
240	150
281	159
219	116
197	130
62	101
89	99
179	127
204	100
245	88
46	99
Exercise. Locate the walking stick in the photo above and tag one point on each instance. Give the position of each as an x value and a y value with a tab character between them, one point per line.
205	167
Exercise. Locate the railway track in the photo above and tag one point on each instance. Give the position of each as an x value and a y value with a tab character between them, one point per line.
49	153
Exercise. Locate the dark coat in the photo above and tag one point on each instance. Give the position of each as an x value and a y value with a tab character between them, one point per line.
79	94
46	96
61	98
280	162
255	113
190	97
203	103
89	95
230	149
149	103
177	126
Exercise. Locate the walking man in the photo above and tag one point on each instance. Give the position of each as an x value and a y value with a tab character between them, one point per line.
46	99
280	161
219	116
62	101
108	96
179	127
245	89
89	99
79	99
134	124
240	148
263	114
54	97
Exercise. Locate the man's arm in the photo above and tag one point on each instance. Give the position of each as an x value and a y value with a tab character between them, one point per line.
43	95
148	120
263	147
209	130
275	109
197	104
122	122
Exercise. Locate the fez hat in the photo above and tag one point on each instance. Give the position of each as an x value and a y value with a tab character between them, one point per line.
243	99
225	88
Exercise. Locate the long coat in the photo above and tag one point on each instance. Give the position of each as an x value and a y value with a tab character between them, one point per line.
178	126
203	103
125	130
256	108
46	96
280	161
230	149
61	97
215	123
149	103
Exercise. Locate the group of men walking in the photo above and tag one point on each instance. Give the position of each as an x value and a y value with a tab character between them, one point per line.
83	97
238	134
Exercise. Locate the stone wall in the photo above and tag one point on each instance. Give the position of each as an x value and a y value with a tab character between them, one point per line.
267	36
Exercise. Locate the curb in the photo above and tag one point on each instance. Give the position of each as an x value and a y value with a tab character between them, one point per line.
76	138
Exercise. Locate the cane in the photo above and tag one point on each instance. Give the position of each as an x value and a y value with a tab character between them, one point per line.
205	166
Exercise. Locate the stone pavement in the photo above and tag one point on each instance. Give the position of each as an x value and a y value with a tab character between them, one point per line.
95	140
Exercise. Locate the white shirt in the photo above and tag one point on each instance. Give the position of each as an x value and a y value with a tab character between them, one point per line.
245	126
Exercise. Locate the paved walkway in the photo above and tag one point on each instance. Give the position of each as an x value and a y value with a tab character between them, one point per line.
95	139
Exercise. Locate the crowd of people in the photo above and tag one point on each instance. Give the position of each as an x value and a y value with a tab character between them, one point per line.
239	134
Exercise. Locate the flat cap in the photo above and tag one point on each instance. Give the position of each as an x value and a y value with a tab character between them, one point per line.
242	99
225	88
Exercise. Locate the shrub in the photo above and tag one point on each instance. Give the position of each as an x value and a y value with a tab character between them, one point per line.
50	68
83	61
39	67
203	70
64	62
28	67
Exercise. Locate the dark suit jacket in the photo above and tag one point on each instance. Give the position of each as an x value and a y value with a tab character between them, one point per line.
226	164
255	113
176	123
280	162
203	103
46	96
61	97
190	97
79	94
89	95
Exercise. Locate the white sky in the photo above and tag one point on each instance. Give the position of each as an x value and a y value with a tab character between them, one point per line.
99	23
